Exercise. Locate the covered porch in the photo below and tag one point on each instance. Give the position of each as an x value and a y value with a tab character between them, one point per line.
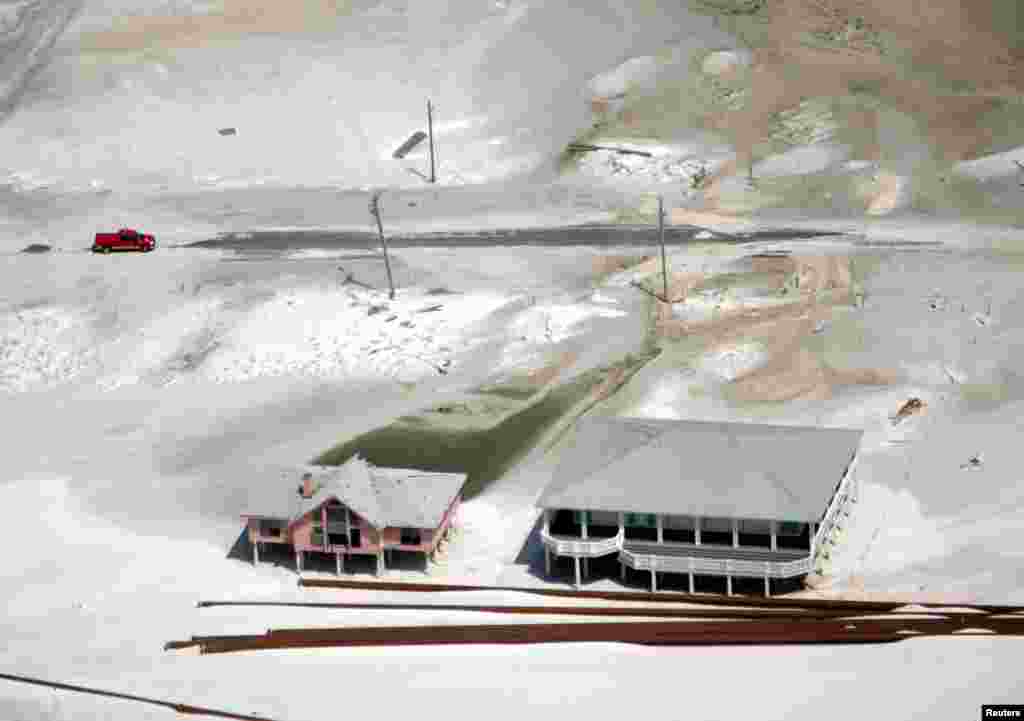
715	546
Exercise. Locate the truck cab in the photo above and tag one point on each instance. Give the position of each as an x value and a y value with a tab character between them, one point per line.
123	239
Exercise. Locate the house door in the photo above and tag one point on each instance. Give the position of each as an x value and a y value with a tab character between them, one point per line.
357	537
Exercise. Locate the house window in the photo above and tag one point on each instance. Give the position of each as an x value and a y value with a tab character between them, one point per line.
602	524
270	528
793	535
640	526
640	520
410	537
581	517
716	531
755	533
678	529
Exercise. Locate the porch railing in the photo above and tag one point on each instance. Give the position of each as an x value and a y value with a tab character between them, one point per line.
715	566
582	547
833	519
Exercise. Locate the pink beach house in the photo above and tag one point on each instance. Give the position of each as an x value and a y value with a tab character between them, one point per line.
359	509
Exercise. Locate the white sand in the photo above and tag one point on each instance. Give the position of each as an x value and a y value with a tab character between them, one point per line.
124	469
727	363
331	334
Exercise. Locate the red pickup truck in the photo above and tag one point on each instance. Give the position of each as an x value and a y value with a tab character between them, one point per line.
124	239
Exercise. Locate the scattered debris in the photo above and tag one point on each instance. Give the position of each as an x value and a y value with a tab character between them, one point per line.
587	148
653	294
390	318
406	324
37	248
954	376
912	406
981	319
430	309
820	327
699	177
228	131
440	290
375	309
973	462
411	142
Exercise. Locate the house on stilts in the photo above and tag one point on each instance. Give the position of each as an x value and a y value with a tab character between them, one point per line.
686	499
358	509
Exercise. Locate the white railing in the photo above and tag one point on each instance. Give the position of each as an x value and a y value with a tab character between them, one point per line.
715	566
582	547
835	509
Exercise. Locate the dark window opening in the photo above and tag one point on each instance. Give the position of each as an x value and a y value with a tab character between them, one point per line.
794	536
566	523
271	529
633	533
678	535
715	538
410	537
640	526
337	539
602	531
755	540
357	537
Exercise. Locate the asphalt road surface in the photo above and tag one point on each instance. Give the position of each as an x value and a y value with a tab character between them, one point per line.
581	235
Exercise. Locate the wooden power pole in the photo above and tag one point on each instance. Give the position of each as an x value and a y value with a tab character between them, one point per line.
430	132
661	240
375	211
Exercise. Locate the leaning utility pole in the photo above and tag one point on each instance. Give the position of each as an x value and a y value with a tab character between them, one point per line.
661	239
430	132
375	211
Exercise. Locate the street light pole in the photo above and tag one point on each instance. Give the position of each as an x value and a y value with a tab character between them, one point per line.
375	211
661	239
430	132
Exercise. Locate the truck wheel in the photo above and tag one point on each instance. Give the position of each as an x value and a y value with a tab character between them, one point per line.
106	248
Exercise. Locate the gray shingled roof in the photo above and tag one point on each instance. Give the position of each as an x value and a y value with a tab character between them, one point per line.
385	497
737	470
